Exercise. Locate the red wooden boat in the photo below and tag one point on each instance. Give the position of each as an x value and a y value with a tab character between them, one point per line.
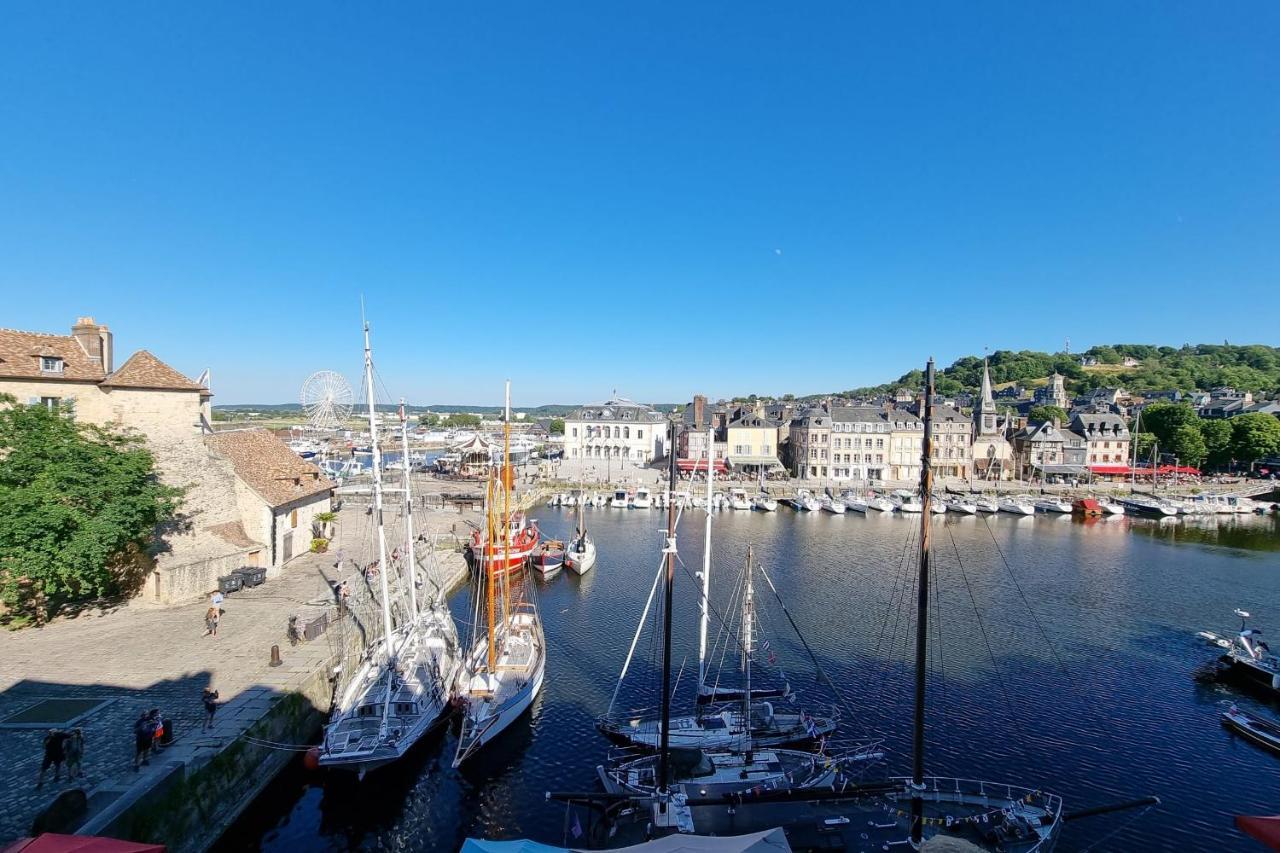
523	538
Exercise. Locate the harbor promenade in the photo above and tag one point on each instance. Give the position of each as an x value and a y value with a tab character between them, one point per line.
118	662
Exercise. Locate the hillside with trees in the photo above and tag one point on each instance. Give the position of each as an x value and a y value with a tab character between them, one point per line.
1253	367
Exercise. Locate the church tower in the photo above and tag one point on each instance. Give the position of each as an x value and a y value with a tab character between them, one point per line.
984	414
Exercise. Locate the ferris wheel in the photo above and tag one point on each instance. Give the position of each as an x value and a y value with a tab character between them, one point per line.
326	399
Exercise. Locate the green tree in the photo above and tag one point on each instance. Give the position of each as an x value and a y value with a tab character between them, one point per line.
1187	444
1217	441
1039	414
462	419
1165	419
1143	442
1254	436
81	506
429	419
556	427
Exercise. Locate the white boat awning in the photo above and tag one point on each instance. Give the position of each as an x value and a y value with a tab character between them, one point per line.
756	461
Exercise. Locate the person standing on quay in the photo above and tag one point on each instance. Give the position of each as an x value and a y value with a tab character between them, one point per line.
54	754
74	751
143	733
210	701
211	617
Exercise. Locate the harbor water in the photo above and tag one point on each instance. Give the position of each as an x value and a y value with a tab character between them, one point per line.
1062	658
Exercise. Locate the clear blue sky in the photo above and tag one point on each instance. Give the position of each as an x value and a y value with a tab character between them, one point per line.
658	198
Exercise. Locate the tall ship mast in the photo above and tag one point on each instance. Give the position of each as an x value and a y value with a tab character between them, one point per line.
503	673
401	689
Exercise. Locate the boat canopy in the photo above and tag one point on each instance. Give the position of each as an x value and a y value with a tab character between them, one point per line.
769	841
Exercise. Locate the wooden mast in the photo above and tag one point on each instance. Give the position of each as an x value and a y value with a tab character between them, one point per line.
669	551
922	610
410	552
506	509
748	604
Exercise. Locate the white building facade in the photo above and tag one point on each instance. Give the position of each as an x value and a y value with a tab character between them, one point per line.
616	429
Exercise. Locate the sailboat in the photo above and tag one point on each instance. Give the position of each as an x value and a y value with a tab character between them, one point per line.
504	672
581	554
402	687
725	769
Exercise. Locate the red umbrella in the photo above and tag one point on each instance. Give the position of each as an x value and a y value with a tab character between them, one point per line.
1264	829
52	842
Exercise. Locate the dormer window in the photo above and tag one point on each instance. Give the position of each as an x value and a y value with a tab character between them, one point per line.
51	364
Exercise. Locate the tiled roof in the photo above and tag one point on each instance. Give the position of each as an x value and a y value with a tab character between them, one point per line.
616	409
750	420
232	532
144	370
268	466
20	357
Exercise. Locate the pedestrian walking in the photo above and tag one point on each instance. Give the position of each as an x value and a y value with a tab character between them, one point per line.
74	752
211	617
210	701
143	733
157	730
54	754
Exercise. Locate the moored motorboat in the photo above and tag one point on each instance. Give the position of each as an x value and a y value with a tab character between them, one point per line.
548	558
1017	505
764	503
805	501
832	505
962	505
907	502
1052	505
986	504
738	499
1261	731
855	502
1146	507
642	499
620	499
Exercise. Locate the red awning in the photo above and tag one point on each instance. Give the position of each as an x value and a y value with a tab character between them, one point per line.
1109	469
1264	829
52	842
699	465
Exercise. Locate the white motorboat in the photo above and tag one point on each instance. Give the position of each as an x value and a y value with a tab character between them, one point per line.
805	501
880	503
620	500
503	674
986	504
936	506
832	505
1110	507
642	499
738	499
556	500
855	502
402	688
908	502
764	503
1017	505
1147	506
962	505
1048	504
597	500
569	500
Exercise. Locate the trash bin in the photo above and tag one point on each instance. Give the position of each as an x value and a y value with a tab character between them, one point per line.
251	575
230	583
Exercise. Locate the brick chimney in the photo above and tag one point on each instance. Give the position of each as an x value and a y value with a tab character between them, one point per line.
699	411
96	341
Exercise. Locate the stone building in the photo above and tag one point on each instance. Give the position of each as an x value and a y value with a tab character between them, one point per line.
906	445
861	442
1107	439
212	534
952	443
1053	394
811	445
618	429
1038	449
277	493
991	452
752	441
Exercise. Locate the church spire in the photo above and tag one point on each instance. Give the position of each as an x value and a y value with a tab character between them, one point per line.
986	383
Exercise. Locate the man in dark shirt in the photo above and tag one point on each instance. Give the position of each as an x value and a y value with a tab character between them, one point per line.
54	754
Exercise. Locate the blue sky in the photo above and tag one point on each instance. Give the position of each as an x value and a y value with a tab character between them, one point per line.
659	198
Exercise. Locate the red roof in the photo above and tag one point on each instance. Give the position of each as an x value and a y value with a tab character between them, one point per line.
1109	469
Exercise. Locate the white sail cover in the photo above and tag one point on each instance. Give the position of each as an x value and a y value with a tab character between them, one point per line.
769	841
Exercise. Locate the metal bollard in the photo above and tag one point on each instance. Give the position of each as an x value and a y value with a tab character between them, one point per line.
275	656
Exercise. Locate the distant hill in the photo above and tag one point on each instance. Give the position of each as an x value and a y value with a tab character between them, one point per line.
1202	367
551	410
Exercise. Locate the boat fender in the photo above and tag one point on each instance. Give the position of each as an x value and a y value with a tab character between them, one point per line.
1275	682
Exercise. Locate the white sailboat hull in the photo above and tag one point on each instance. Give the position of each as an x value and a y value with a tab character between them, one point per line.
496	700
580	562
